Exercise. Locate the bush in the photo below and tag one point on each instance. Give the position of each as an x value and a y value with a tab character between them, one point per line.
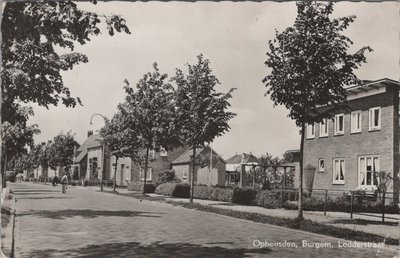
174	190
138	186
214	193
168	177
245	196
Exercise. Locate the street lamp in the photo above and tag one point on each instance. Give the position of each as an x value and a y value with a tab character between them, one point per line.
104	149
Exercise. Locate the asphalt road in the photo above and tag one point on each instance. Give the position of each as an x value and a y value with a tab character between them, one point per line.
86	223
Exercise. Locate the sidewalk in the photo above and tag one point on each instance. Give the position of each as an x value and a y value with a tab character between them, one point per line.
369	223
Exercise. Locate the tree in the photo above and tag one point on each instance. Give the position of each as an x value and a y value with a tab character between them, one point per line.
268	168
114	136
32	31
310	66
201	111
150	114
60	152
16	137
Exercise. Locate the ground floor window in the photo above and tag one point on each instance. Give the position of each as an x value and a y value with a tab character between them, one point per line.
148	175
339	171
367	168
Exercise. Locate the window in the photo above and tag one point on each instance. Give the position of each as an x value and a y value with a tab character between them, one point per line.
339	171
374	118
323	128
310	131
367	166
163	152
339	124
185	174
321	165
149	172
355	121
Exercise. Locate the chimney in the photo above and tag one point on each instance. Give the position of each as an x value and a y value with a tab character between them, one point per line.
89	133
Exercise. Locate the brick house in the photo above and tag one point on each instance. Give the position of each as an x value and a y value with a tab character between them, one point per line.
159	162
347	149
89	161
203	175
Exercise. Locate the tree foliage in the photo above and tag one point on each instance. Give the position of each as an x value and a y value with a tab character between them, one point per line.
310	64
61	150
150	115
31	34
201	110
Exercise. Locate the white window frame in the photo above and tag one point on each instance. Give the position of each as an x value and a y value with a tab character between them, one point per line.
163	152
336	124
342	164
362	169
323	125
310	128
185	174
321	168
372	126
149	174
356	119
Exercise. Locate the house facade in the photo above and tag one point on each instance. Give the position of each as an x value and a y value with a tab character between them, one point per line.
159	162
205	158
347	150
234	166
90	161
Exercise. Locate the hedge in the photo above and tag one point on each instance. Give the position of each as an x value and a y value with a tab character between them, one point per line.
245	196
138	186
214	193
177	190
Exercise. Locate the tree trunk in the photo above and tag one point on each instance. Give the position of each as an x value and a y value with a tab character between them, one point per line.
146	162
3	175
300	211
192	176
115	173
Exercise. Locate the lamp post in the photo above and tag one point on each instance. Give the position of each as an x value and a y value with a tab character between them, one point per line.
104	149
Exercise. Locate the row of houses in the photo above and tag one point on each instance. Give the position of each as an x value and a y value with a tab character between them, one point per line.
344	153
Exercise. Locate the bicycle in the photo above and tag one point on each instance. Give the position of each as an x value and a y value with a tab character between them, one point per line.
64	188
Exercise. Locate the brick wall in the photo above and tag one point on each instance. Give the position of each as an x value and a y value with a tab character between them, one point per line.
158	165
351	146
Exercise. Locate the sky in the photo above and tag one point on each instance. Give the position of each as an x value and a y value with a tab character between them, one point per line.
233	36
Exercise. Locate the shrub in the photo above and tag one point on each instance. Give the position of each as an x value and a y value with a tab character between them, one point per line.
168	177
268	199
245	196
138	186
174	190
214	193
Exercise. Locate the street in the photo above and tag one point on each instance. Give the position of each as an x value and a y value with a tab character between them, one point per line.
87	223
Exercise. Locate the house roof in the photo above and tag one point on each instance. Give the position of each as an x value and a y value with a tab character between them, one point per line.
185	156
371	84
90	142
242	158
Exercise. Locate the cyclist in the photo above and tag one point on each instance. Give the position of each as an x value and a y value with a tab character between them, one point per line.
64	182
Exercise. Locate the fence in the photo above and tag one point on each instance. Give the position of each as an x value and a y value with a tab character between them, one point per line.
350	201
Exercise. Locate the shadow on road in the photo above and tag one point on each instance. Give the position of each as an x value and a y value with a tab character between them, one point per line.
156	249
63	214
27	192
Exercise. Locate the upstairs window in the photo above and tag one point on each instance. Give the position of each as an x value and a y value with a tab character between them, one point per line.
356	121
374	118
310	131
339	124
323	128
